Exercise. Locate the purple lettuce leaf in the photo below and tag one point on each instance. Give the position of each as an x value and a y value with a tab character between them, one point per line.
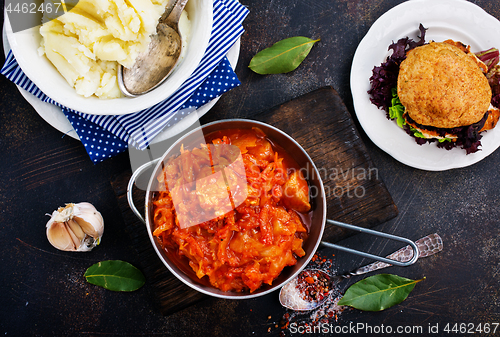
385	76
491	57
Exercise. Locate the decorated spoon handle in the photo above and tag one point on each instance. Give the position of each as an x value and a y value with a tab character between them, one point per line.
428	245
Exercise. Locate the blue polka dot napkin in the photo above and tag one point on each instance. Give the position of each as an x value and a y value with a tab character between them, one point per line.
105	136
102	144
99	143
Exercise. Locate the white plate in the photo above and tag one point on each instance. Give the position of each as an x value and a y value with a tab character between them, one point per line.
445	19
56	118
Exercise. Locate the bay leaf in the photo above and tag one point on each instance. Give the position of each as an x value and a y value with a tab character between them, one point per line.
115	275
378	292
283	56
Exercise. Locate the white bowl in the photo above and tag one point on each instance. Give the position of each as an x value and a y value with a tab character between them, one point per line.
25	46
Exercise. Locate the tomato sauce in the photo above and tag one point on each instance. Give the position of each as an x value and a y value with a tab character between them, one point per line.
258	211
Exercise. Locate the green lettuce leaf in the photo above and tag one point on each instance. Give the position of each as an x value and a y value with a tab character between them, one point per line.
396	111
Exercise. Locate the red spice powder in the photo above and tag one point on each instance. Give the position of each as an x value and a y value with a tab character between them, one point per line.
329	311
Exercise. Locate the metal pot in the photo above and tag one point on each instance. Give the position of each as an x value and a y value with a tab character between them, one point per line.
179	266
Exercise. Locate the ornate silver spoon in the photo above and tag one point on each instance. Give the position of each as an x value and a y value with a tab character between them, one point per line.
154	65
311	287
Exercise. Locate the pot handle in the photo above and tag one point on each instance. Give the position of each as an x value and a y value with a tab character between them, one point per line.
371	256
131	183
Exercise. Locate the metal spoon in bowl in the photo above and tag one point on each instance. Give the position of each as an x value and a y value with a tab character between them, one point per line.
154	65
311	287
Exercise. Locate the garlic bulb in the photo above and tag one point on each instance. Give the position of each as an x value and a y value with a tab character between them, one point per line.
76	227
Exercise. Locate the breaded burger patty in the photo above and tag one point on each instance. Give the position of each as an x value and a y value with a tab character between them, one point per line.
442	86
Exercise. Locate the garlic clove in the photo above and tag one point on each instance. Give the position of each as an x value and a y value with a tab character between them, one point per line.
89	219
59	237
76	227
72	235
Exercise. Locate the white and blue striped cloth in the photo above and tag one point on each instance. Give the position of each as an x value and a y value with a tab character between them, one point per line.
212	77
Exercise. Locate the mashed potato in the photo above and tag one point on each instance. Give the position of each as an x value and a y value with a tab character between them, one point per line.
87	43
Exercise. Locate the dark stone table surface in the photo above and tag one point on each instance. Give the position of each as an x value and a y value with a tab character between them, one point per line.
43	291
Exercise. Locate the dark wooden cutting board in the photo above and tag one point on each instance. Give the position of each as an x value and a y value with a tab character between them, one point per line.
321	123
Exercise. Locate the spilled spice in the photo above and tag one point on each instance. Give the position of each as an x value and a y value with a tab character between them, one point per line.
328	312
